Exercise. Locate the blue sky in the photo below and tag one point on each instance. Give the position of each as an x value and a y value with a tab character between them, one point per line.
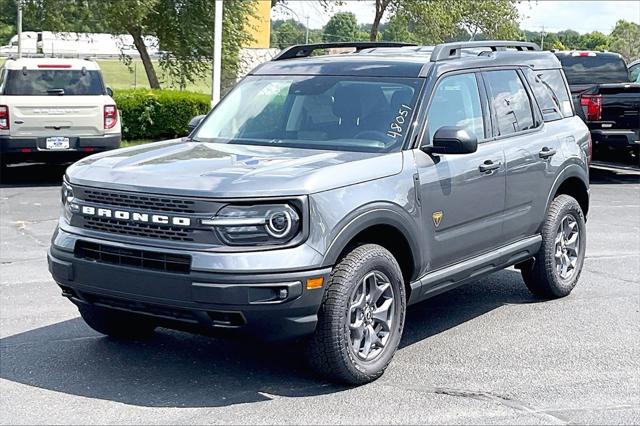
582	16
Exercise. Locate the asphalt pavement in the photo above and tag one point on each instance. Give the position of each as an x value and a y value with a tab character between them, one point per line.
488	352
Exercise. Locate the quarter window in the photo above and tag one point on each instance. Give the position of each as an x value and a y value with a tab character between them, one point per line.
510	102
456	102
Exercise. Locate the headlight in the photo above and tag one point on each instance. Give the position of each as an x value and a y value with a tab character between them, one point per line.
66	194
259	224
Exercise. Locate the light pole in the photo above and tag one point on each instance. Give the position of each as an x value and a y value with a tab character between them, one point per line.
217	53
19	27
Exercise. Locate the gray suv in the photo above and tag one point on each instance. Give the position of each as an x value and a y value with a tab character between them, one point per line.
325	194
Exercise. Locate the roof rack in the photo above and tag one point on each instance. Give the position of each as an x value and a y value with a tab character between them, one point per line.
446	51
304	50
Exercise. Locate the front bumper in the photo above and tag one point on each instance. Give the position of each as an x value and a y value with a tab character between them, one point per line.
271	306
29	147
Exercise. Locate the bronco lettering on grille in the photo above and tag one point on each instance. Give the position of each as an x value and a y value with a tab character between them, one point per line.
159	219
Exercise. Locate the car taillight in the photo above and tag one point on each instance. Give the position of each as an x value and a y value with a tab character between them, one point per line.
110	116
4	117
592	106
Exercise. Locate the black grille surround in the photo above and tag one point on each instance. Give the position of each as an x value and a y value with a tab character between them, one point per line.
143	259
194	236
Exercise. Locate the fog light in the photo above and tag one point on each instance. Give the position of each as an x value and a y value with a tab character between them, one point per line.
313	283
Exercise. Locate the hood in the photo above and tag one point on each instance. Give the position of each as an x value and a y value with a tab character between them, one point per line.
180	167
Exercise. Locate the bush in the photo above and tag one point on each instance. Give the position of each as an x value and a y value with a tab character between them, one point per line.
158	114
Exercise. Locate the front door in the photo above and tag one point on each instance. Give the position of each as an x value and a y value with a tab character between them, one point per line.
462	195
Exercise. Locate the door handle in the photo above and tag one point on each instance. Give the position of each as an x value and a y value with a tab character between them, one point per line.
488	166
547	152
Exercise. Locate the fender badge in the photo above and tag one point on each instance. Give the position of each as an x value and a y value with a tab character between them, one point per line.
437	218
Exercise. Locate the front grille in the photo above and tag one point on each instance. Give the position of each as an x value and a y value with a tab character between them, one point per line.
139	202
103	253
138	229
141	307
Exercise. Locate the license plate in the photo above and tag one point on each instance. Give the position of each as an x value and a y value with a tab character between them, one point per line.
58	142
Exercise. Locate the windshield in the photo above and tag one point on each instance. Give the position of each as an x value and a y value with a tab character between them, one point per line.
53	82
316	112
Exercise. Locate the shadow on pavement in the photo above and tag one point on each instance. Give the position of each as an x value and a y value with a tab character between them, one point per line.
612	176
32	174
176	369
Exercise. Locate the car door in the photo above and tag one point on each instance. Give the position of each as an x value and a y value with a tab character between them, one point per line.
462	195
529	148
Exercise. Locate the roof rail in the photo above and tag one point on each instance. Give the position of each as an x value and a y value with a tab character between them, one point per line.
452	50
304	50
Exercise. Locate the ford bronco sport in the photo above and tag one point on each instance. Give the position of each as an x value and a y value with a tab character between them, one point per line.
324	194
54	110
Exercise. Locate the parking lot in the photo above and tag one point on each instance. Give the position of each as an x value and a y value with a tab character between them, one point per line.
485	353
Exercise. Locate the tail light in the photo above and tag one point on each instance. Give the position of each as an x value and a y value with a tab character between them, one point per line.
4	117
592	106
110	116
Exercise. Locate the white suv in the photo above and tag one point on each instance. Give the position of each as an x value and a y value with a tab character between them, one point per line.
55	110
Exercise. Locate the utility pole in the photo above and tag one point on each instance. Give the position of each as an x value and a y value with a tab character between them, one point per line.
307	38
217	53
19	26
542	38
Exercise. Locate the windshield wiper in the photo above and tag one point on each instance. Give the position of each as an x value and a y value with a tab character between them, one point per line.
58	92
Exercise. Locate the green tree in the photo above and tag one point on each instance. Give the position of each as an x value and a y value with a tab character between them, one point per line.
570	39
342	26
595	41
625	39
399	29
287	33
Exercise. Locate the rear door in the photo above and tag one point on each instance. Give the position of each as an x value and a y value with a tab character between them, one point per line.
462	196
55	102
531	150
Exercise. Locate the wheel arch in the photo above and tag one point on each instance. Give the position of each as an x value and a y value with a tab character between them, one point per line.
383	225
573	181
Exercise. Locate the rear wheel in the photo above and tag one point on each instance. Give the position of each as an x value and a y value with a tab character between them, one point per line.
121	325
361	318
558	263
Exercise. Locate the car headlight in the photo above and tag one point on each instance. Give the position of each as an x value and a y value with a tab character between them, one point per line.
66	194
259	224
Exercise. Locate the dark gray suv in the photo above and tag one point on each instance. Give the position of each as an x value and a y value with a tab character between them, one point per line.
324	194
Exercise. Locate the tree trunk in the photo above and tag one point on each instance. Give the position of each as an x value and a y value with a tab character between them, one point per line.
138	41
381	7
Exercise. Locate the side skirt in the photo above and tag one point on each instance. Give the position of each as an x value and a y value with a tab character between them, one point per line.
450	277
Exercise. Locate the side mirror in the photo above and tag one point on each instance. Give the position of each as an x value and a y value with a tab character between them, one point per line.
452	140
109	91
195	122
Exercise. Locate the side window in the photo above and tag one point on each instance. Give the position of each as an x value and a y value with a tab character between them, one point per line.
634	73
553	78
510	102
547	100
456	102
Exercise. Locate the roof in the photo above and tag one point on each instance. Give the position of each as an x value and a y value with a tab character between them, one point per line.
57	63
406	61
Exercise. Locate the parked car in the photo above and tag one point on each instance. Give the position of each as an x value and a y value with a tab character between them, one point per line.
55	110
608	101
634	71
325	194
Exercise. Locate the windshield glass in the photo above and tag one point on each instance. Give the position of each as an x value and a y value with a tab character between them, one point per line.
53	82
316	112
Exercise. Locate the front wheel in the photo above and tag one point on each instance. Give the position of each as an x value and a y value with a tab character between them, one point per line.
558	263
361	318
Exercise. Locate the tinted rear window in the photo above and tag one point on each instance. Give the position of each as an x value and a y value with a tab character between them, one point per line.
50	82
596	69
553	79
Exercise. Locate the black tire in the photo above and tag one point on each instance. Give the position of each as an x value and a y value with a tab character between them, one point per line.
541	276
117	324
330	351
